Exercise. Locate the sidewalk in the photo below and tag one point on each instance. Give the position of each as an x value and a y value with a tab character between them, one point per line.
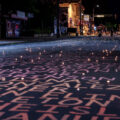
33	39
8	42
53	38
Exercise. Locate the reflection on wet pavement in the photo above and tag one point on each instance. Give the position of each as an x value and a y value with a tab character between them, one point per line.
61	80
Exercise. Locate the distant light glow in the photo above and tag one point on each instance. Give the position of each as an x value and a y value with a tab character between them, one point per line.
97	6
100	16
95	28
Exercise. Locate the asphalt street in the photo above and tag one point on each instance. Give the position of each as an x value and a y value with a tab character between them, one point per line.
71	79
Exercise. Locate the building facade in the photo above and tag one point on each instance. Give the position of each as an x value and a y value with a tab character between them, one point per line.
73	12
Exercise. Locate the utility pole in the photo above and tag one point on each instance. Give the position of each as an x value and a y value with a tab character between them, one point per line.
93	14
58	24
81	17
0	18
94	7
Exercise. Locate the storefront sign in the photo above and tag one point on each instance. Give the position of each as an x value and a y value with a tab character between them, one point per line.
86	17
21	14
100	16
30	15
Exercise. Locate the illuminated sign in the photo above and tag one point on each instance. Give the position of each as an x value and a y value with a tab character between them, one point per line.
21	14
100	16
86	17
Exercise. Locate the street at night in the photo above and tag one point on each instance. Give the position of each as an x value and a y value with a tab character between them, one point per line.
71	79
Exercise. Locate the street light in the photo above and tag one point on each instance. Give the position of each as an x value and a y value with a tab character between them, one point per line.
94	11
93	19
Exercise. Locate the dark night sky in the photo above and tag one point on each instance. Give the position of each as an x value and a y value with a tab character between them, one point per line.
106	6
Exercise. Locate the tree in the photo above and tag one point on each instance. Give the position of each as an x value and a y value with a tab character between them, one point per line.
43	10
